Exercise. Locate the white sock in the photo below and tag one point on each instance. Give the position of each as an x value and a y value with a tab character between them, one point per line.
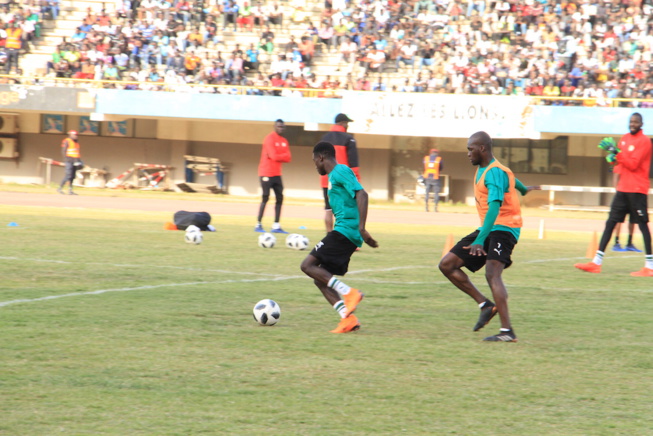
649	261
340	308
598	257
338	286
276	226
504	330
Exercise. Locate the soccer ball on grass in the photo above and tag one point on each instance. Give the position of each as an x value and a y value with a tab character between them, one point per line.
266	240
194	237
297	241
267	312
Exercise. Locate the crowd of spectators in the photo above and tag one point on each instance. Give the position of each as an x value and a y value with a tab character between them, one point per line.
20	26
592	49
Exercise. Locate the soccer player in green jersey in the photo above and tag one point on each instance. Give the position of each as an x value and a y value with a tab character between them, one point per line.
331	256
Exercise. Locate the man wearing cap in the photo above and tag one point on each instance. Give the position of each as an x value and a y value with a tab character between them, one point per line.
346	154
71	155
432	169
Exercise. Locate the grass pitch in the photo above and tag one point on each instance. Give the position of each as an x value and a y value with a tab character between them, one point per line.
113	326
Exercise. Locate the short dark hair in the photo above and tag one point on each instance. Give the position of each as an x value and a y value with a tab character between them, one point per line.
279	121
637	114
325	149
483	138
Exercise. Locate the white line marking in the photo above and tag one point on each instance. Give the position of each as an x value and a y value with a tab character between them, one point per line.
140	288
561	259
129	265
268	277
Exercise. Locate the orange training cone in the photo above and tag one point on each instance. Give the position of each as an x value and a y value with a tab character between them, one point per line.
448	245
592	247
169	226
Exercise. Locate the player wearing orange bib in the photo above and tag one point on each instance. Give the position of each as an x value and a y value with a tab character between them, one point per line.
497	203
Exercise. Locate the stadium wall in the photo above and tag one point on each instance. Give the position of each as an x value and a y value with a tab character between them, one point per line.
166	125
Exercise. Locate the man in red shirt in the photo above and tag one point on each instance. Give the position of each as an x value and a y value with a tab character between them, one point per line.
274	153
633	155
346	153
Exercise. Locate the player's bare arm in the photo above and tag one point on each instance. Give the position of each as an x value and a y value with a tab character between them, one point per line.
361	201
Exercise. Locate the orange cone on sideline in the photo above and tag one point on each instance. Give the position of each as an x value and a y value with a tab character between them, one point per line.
592	247
169	226
448	244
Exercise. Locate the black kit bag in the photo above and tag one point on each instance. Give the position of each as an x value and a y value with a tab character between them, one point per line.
183	219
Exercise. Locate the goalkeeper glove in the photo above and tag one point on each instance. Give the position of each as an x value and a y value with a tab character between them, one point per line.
609	145
611	158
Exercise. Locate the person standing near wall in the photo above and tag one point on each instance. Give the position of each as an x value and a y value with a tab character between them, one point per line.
633	155
631	222
346	154
431	175
274	153
72	159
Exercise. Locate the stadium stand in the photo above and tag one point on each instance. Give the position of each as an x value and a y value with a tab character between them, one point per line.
587	52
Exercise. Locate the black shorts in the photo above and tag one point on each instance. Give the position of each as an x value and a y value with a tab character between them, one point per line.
71	169
334	253
632	218
498	246
274	183
327	206
625	203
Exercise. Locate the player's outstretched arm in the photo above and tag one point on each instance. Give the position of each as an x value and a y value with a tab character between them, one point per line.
525	189
361	202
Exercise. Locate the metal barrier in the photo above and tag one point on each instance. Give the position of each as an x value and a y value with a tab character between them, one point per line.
583	189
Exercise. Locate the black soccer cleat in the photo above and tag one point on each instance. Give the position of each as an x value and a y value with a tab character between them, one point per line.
487	313
508	336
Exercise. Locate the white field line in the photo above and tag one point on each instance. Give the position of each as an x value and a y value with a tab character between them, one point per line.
128	265
268	277
141	288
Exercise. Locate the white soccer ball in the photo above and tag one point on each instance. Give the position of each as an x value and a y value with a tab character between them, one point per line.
267	312
300	242
194	237
290	240
192	228
266	240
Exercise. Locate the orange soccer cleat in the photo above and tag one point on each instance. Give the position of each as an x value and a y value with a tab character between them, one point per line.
589	267
644	272
351	299
347	325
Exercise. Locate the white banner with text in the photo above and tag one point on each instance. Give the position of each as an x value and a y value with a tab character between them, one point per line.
439	115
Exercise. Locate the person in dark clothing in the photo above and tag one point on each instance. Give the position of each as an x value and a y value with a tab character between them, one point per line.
346	153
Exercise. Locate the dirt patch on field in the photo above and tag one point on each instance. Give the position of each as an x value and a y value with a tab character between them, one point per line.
250	209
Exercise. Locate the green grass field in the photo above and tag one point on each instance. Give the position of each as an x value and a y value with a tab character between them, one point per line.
113	326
